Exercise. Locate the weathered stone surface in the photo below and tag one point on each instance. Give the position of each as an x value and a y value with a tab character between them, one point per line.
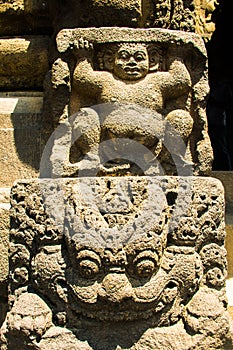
4	238
16	6
154	97
23	62
204	23
24	17
16	165
133	13
139	260
66	37
229	243
4	246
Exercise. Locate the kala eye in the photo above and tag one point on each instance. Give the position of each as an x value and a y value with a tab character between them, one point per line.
145	268
88	268
88	263
145	264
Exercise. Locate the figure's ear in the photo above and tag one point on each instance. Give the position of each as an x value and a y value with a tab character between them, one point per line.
155	56
106	57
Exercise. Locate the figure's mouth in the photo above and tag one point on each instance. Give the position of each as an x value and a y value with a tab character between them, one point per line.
127	309
132	70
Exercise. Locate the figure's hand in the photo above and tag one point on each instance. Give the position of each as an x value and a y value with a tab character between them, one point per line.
82	48
82	44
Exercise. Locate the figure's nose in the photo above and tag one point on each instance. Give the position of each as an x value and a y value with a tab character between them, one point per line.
116	287
132	61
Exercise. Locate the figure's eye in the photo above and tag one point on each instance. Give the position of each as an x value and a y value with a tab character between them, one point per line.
88	263
139	56
145	264
123	55
145	268
88	268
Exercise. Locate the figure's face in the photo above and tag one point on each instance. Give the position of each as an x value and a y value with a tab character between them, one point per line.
131	62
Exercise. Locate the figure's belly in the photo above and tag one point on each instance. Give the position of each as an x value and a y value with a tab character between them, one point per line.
139	95
133	122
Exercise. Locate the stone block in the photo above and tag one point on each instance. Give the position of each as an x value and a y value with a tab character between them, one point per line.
20	134
22	164
139	259
23	62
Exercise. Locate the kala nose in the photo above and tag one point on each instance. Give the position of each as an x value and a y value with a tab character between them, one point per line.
115	288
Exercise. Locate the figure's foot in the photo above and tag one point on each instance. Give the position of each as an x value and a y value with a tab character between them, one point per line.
86	167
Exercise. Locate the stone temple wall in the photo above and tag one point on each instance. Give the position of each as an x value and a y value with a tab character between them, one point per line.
25	34
28	53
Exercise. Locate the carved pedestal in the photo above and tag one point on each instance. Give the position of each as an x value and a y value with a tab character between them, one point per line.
117	263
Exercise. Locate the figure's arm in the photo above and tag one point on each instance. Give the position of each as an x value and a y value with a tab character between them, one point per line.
177	80
85	79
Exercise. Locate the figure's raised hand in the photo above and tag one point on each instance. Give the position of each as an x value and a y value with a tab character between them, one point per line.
82	44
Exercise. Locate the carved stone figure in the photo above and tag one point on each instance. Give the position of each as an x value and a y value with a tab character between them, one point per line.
116	258
145	80
122	65
117	263
172	14
131	77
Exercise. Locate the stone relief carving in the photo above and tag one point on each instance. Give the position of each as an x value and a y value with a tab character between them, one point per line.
172	14
188	16
106	77
204	10
117	263
107	261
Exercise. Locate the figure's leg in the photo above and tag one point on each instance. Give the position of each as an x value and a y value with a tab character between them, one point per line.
175	157
85	143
